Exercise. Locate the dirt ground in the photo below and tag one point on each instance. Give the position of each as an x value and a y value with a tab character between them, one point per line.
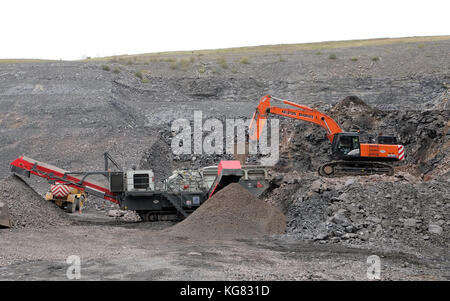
141	251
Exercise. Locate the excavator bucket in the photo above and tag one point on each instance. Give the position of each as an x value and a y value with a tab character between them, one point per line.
4	216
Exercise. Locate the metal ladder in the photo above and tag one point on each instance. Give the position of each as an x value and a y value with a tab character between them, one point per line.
175	202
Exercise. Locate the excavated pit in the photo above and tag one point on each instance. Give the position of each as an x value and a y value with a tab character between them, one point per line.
232	213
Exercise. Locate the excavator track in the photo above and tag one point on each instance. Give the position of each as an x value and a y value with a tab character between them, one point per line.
355	168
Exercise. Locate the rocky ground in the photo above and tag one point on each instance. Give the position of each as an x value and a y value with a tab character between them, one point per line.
138	251
397	213
69	113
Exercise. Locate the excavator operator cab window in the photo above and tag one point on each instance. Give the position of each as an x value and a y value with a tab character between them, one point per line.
347	145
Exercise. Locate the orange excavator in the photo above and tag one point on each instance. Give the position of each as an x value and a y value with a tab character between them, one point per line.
353	157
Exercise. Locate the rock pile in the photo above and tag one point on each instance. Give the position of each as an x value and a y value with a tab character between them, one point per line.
232	213
28	209
377	209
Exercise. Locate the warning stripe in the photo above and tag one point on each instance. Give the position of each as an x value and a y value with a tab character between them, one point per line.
60	190
401	152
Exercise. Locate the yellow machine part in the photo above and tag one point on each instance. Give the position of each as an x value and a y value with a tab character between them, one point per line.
70	198
49	196
74	193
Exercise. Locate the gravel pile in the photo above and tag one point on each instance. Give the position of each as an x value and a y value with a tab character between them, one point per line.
28	209
232	213
400	210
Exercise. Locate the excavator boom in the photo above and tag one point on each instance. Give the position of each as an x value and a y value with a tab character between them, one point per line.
299	112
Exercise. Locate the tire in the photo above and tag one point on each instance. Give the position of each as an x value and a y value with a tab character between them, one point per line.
71	207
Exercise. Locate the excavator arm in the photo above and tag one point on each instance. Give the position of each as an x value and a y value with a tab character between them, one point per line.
298	112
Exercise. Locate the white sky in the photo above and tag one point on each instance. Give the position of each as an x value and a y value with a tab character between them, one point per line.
70	29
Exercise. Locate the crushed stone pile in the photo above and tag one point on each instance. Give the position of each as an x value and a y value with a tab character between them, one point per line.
28	209
232	213
158	158
401	210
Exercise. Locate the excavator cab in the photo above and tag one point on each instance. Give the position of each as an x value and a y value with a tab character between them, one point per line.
345	145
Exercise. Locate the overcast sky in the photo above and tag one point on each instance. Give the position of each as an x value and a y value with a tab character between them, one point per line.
70	29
